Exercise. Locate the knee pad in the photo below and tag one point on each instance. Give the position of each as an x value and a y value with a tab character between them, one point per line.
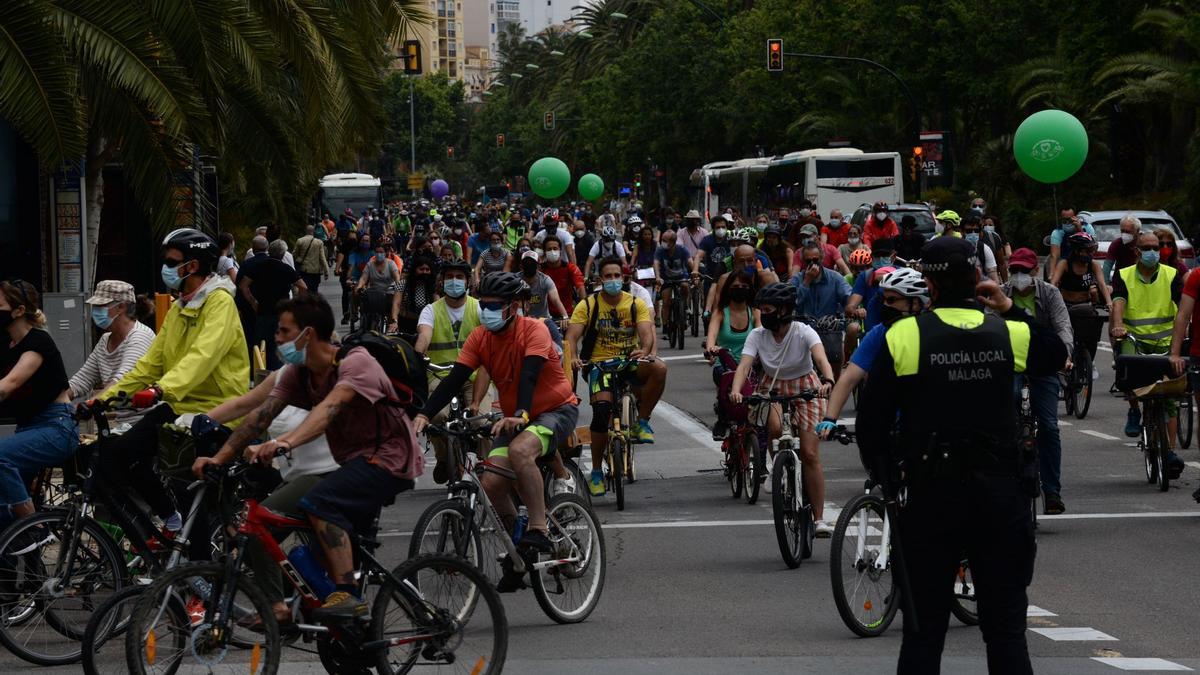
601	413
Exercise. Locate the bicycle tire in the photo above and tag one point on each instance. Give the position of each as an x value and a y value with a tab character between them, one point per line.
963	605
838	567
1085	384
680	319
446	527
733	464
101	628
571	515
668	318
754	470
155	604
105	573
628	420
1164	449
451	568
580	481
787	525
616	455
694	298
1186	419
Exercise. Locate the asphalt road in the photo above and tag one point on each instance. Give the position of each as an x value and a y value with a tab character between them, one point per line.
696	584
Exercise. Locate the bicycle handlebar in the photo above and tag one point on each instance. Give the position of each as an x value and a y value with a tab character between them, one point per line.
807	395
466	426
843	435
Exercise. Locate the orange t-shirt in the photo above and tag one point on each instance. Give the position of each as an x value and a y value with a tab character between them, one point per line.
503	353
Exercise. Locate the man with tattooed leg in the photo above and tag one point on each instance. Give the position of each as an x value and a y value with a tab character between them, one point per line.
377	460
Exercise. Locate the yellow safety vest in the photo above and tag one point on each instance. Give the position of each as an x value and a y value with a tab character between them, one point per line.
445	343
904	338
1149	309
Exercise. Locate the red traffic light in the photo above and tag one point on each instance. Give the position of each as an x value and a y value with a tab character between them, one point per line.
917	150
499	140
775	55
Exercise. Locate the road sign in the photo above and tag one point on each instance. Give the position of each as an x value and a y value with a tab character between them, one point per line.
416	181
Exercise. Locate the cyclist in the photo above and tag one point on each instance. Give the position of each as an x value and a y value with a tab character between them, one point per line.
382	275
415	291
606	247
1044	305
613	324
34	390
790	354
822	292
727	329
552	232
1080	277
376	461
125	339
495	259
1145	301
197	361
830	257
540	410
567	278
692	234
879	225
643	257
905	293
543	295
673	263
1069	223
774	246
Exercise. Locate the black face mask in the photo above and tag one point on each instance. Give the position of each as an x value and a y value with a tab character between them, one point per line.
774	321
529	267
890	315
6	319
739	294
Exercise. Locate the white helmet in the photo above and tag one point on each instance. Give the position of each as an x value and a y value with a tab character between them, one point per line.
907	282
634	221
608	232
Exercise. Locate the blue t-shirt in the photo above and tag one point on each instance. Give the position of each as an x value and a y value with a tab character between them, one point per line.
1057	236
478	243
674	264
869	346
871	296
715	253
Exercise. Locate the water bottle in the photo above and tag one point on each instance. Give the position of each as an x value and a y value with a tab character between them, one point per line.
521	524
306	563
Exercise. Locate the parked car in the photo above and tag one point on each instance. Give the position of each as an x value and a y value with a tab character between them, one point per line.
1107	225
896	212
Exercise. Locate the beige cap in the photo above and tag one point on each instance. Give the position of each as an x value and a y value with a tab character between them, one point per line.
110	291
692	214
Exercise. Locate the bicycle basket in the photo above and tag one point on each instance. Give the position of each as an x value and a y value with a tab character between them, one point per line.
176	451
1173	388
1134	371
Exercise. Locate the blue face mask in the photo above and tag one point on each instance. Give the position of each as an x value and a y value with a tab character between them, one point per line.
1150	258
492	319
170	277
289	353
1068	227
972	237
455	288
380	256
882	262
101	318
612	286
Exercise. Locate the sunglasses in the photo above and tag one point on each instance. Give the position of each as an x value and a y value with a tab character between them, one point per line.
172	263
812	261
1155	247
492	305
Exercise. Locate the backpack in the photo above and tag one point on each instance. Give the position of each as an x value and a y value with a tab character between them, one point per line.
404	367
590	334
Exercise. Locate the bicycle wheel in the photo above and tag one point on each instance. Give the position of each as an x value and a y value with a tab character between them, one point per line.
963	607
680	310
1164	448
755	469
445	527
866	596
1083	383
735	465
668	320
616	459
1066	384
170	629
791	524
412	605
694	314
568	592
44	608
1184	432
109	621
628	419
580	481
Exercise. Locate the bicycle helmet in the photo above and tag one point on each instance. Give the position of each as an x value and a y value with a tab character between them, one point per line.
746	234
608	232
635	221
779	294
907	282
1081	241
194	244
880	273
860	257
457	264
504	285
773	229
949	216
444	231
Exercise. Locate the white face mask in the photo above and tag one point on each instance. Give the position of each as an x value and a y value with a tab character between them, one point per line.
1126	237
881	216
1021	281
853	240
552	256
720	232
804	213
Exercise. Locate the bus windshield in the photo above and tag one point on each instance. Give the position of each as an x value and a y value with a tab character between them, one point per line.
335	200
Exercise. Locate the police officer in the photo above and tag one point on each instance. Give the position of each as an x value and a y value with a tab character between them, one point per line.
946	376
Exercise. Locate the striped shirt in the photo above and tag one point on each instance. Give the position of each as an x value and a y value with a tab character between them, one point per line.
103	367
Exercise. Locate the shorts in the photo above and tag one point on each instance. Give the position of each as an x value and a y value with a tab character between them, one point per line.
352	496
808	413
551	428
606	380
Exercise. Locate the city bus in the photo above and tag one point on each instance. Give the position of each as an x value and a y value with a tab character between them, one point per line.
355	191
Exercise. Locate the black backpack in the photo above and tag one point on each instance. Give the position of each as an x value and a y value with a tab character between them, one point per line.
404	367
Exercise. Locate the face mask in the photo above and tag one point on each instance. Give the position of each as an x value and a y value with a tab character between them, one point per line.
1068	227
806	241
455	288
1165	252
101	318
551	230
6	319
882	262
578	234
990	229
881	216
977	210
890	315
739	294
289	353
1083	258
364	244
771	321
552	256
170	276
529	267
761	227
804	213
1021	281
495	247
972	237
612	286
1150	258
835	223
939	228
493	319
720	232
1126	237
380	257
853	240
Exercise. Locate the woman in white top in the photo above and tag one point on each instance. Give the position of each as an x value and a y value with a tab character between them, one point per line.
787	351
125	341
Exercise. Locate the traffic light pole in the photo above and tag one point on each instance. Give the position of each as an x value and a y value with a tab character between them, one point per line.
915	122
412	129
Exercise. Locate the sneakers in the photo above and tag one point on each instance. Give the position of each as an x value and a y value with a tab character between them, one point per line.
720	430
340	605
536	540
1133	423
1054	504
1174	465
596	483
441	473
823	529
644	433
561	486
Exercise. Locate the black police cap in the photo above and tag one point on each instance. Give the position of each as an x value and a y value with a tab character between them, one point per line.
948	255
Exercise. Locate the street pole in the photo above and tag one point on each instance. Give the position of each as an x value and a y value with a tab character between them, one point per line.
412	130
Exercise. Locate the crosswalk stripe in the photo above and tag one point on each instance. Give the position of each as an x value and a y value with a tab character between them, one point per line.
1099	434
1074	634
1130	663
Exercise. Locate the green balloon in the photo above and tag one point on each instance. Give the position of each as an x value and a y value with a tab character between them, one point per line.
591	187
1050	146
549	177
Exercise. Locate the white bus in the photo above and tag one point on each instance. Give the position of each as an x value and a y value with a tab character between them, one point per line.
356	191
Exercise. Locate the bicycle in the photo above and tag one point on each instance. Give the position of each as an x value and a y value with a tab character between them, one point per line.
374	310
790	506
696	296
58	566
1144	378
1027	439
674	313
190	616
743	450
567	586
620	466
1086	323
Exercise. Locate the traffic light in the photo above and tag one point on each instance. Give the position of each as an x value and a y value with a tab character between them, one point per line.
775	55
450	152
548	121
637	180
412	57
499	140
914	163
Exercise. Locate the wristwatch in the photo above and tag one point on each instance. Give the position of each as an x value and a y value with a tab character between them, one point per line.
523	414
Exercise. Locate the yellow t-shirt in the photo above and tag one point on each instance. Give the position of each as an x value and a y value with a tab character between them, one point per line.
615	334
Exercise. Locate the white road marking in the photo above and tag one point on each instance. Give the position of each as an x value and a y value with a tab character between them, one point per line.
1128	663
1194	465
687	424
1099	434
680	357
1104	347
1066	634
1034	610
1143	514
